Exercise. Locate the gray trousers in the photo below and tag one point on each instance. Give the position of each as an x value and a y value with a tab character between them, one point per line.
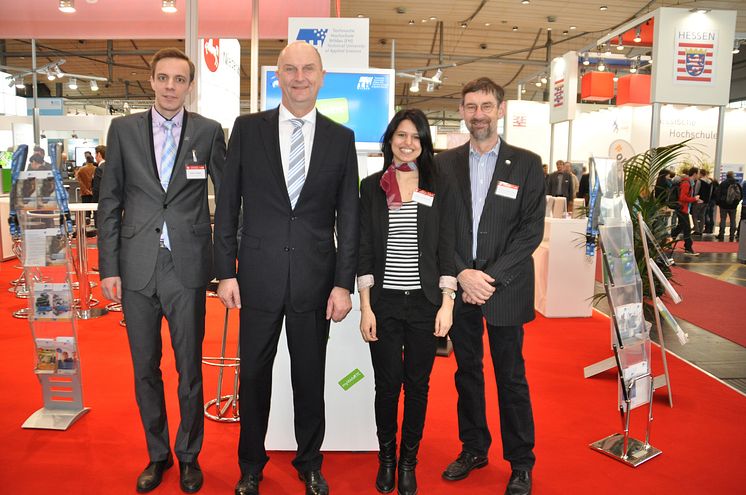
184	309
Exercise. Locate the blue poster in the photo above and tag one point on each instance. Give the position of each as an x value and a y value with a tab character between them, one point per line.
361	100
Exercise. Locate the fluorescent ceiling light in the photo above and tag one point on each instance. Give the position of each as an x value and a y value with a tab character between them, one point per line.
168	6
67	6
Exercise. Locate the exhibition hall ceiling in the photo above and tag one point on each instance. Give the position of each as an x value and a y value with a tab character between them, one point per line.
507	40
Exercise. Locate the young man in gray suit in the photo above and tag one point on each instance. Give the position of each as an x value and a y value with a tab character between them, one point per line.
498	197
295	172
155	253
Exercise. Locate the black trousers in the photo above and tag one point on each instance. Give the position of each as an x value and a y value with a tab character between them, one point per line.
403	355
307	334
683	227
516	416
184	309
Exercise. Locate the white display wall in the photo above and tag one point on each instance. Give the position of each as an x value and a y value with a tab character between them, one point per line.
596	127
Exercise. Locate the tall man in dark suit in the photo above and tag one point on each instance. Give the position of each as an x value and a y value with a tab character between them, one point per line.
155	253
295	172
498	196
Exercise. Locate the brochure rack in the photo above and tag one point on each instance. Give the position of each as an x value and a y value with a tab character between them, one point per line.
42	229
630	333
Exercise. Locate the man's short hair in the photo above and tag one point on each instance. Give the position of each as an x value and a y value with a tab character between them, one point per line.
101	150
170	53
486	85
36	158
692	171
38	149
730	174
703	171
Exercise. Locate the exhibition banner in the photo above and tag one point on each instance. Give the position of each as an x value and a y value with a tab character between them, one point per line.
691	52
219	85
564	88
342	42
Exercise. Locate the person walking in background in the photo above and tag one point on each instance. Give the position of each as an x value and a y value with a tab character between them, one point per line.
685	199
407	283
730	194
295	172
155	254
703	189
499	205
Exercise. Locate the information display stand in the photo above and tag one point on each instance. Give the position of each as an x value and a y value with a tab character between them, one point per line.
42	229
630	333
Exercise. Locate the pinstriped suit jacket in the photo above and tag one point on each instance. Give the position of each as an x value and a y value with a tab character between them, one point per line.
509	229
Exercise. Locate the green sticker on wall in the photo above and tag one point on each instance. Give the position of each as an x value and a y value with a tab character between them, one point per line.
351	379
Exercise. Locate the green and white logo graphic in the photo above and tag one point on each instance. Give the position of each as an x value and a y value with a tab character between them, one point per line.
351	379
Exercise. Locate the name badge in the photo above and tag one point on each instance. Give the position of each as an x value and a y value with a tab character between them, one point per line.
423	197
196	171
506	190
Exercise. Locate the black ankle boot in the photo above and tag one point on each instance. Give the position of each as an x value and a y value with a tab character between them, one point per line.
407	463
386	467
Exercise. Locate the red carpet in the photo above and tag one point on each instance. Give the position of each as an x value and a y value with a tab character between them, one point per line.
710	304
702	438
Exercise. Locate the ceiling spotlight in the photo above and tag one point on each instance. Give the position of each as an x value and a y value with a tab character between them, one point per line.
487	24
573	28
549	29
430	87
464	25
168	6
51	76
424	20
637	37
601	66
620	44
603	7
525	2
523	90
565	33
616	78
67	6
538	84
94	86
72	83
633	67
411	22
585	60
58	73
736	46
361	15
19	83
543	79
515	28
415	86
437	76
433	18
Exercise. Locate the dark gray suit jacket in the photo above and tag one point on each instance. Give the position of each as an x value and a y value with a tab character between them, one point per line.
509	229
284	251
133	205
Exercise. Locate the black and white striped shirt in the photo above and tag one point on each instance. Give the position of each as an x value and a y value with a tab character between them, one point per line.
402	253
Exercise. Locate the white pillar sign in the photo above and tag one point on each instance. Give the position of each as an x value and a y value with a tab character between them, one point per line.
342	42
691	52
219	88
564	89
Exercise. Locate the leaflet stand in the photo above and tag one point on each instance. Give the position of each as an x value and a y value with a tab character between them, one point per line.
39	223
630	333
663	380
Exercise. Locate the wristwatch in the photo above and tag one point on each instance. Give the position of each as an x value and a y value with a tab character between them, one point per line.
450	293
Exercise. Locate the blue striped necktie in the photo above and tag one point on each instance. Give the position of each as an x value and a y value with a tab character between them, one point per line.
168	157
296	162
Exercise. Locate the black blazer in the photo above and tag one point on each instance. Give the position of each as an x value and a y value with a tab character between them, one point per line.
509	229
435	236
288	251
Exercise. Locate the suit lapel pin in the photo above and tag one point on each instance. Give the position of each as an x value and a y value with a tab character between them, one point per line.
507	162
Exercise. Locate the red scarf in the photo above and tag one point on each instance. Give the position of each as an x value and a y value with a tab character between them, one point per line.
391	187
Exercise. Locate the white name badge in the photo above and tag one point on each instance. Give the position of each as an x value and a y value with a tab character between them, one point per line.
196	171
423	197
506	190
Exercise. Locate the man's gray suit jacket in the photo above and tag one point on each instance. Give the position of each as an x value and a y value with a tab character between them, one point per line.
133	205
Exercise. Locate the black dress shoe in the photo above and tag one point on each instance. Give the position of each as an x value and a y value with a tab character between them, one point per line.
315	483
153	474
248	484
190	476
463	465
519	484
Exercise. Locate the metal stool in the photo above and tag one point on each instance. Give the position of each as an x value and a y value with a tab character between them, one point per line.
216	408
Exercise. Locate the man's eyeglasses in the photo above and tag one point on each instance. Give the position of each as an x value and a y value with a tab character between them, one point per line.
485	107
